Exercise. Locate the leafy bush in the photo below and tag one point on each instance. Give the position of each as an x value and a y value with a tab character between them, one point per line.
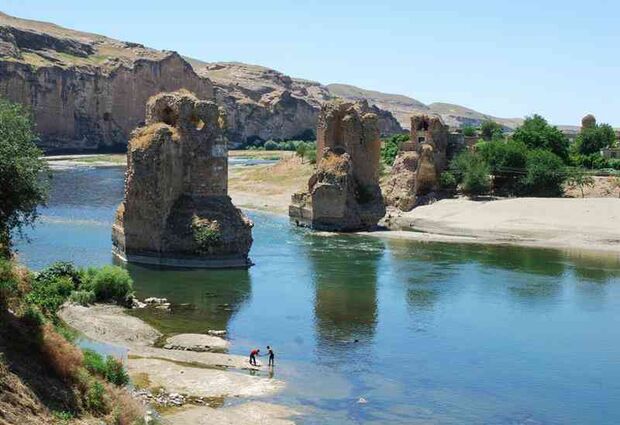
490	130
109	368
311	155
8	280
391	146
536	133
469	131
115	372
84	298
49	295
94	362
471	171
60	269
507	162
112	283
95	398
270	145
545	174
447	180
32	316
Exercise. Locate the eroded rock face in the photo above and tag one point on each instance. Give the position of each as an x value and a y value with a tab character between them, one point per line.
344	192
416	169
176	209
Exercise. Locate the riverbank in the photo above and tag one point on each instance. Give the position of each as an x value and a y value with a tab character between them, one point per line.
580	224
209	379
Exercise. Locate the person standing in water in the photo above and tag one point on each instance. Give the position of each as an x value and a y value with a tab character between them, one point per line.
271	356
253	354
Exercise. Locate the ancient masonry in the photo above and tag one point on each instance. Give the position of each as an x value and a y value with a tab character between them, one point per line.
416	169
343	194
176	210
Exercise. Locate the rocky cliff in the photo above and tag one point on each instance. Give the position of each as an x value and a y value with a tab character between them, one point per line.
86	91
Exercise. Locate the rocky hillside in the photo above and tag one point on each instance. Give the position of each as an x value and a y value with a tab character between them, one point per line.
402	107
264	103
88	91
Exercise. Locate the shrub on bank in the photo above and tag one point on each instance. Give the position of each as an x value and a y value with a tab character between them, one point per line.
546	174
112	283
84	298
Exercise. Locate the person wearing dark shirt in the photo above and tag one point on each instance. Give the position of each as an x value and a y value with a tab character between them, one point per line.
271	355
253	355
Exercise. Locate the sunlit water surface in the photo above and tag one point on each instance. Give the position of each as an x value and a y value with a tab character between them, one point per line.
426	333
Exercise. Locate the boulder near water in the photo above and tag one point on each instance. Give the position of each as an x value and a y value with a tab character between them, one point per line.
176	210
343	194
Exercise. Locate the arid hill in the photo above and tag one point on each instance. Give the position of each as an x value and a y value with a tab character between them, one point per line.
402	107
88	91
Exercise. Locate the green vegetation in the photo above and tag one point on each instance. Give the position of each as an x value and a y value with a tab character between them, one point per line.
469	131
109	368
391	146
545	175
592	140
111	283
21	172
284	145
206	233
490	130
536	133
525	165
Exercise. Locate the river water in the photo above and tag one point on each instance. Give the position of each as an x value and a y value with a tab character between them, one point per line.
425	333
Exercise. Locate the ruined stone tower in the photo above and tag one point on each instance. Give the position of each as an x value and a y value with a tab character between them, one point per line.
176	209
417	167
344	193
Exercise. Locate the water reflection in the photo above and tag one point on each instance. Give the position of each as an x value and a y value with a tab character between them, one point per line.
345	281
201	299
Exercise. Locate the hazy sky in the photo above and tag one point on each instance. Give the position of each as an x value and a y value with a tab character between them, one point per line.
507	58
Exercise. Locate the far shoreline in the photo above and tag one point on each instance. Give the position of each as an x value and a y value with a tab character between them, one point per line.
573	224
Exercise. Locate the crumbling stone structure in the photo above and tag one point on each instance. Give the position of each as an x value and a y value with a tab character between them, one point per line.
344	193
415	173
589	121
176	209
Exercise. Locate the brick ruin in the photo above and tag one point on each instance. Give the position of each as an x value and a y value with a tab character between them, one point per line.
176	210
416	169
343	194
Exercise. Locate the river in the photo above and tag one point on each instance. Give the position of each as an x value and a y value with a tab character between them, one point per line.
425	333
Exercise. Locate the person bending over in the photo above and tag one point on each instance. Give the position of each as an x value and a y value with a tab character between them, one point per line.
253	354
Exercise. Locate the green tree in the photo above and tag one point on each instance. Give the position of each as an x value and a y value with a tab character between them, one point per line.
545	174
592	139
490	130
469	131
391	146
472	172
22	186
301	151
576	178
536	133
507	162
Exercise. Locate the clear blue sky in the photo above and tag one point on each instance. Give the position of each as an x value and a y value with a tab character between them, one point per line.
507	58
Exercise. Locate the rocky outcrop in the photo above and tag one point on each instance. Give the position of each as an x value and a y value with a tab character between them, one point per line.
86	92
264	104
344	193
176	209
416	169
